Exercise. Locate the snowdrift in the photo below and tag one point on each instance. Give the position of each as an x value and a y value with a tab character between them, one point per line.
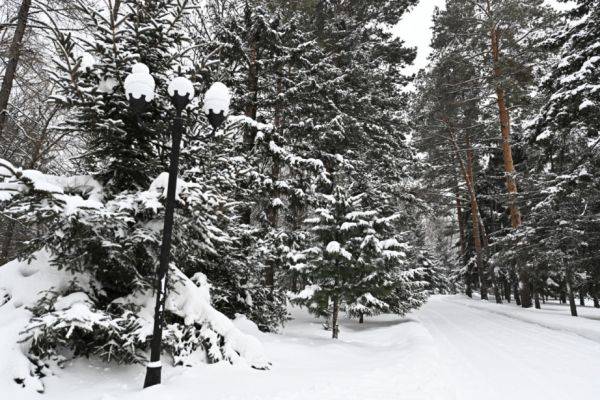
22	283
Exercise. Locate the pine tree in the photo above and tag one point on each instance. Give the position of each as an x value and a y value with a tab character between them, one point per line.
354	263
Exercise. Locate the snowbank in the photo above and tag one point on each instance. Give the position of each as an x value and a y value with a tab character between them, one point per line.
21	285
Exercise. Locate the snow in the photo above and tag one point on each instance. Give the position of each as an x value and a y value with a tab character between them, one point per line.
453	348
333	247
14	316
107	85
87	61
183	86
76	192
504	355
586	104
140	83
161	184
217	99
21	285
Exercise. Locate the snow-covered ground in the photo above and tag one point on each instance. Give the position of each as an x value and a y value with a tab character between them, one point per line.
453	348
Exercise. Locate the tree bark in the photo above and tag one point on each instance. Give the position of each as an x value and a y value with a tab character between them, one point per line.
361	318
14	52
335	329
516	294
509	168
582	298
7	242
461	224
506	289
462	239
536	295
467	171
475	221
491	269
570	292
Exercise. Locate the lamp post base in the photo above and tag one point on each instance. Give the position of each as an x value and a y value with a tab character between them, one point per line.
152	376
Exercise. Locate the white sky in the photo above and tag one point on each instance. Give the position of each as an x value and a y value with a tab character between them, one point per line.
415	29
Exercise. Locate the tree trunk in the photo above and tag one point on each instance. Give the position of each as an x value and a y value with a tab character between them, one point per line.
361	318
524	288
491	269
536	295
475	220
14	52
462	239
7	242
335	329
509	168
468	283
516	294
571	293
582	298
461	224
506	289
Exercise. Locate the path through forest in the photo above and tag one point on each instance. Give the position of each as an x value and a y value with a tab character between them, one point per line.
493	356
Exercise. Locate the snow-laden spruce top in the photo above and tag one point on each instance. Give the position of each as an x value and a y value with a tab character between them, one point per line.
183	86
140	83
217	99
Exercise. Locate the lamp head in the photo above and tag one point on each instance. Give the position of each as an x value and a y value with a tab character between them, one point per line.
216	104
139	87
181	91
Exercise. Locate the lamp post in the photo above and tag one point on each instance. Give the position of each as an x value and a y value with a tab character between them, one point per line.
139	89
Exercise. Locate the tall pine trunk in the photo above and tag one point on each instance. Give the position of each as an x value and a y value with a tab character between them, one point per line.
14	52
462	239
467	172
475	221
509	167
461	224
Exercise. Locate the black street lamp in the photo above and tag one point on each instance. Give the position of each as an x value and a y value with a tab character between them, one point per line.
139	88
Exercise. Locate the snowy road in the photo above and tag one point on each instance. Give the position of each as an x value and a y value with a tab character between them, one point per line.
491	356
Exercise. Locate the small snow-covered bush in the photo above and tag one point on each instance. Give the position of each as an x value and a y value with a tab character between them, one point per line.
73	323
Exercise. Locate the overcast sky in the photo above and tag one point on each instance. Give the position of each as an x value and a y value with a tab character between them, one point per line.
415	29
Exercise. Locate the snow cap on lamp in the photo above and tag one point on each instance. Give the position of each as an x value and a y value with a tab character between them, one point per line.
216	104
183	86
139	84
217	99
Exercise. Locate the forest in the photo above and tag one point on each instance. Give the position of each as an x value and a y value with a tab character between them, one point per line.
215	183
